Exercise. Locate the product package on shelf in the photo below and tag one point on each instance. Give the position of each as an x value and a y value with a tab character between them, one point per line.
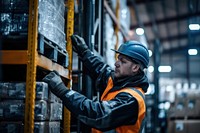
39	127
14	24
12	104
14	17
183	126
15	110
47	127
11	127
48	107
17	91
53	98
186	106
55	111
52	22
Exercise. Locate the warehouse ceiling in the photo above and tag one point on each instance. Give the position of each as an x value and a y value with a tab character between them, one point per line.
166	23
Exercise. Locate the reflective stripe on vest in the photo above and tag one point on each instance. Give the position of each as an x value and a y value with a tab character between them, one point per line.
141	113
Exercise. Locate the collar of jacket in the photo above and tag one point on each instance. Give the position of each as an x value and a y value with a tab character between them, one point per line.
139	80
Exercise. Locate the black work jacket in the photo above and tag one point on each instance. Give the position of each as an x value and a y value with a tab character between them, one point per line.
101	114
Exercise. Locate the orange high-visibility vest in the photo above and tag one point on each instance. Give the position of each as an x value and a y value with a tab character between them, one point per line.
141	112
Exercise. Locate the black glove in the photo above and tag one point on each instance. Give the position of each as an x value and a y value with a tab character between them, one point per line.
78	44
55	84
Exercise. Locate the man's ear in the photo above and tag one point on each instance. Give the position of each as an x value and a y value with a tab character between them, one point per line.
135	67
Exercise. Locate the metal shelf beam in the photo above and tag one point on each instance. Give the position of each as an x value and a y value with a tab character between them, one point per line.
114	18
20	57
14	57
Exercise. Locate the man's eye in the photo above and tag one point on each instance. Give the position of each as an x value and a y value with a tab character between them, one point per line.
123	61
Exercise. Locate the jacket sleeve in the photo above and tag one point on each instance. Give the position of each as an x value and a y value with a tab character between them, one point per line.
95	65
103	115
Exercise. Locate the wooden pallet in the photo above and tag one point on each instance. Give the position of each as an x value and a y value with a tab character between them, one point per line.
52	51
45	47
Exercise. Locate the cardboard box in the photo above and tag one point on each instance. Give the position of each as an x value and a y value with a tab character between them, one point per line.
15	109
176	126
191	108
183	126
17	91
193	126
180	109
39	127
180	127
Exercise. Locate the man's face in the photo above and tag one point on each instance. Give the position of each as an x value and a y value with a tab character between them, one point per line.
124	67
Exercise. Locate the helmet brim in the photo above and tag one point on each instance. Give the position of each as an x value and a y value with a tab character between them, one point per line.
133	59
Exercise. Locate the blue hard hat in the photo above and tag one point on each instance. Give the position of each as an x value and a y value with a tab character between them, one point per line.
136	51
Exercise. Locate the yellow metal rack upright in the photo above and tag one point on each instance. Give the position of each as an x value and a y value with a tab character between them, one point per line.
33	59
69	31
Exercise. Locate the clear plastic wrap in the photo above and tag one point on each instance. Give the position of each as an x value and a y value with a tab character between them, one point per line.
53	98
55	111
14	17
14	23
52	22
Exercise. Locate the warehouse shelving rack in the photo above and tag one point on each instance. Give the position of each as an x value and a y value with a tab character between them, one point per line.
32	59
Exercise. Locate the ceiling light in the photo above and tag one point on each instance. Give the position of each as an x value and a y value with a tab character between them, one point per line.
193	86
139	31
150	53
178	86
194	26
124	13
167	105
192	51
150	69
150	90
164	68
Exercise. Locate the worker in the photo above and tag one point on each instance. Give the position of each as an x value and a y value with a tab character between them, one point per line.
122	107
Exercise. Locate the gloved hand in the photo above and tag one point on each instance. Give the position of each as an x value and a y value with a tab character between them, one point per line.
78	44
55	84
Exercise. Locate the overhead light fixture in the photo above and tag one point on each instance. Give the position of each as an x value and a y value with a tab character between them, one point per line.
124	13
139	31
150	53
150	90
194	27
160	69
192	51
150	69
164	68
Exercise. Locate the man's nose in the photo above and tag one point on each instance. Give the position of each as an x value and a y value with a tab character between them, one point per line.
117	63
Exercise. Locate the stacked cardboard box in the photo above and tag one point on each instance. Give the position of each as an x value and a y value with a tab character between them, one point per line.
51	22
40	127
184	126
14	17
186	105
184	114
48	108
